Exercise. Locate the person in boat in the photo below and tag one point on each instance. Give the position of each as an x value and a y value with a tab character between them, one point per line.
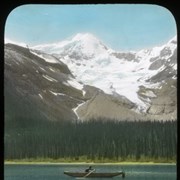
89	169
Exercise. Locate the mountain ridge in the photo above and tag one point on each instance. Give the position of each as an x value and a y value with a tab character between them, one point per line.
139	78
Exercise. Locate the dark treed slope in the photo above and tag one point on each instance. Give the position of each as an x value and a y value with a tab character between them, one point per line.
93	140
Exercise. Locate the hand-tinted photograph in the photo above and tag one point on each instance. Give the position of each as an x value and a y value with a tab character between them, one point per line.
90	91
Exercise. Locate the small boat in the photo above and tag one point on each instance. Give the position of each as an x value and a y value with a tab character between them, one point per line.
95	174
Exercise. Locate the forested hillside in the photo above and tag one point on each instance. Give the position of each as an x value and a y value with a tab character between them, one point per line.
93	140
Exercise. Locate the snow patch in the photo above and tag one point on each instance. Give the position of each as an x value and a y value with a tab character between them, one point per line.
76	108
47	58
149	94
56	94
52	69
75	84
49	78
40	96
174	77
175	66
83	93
42	68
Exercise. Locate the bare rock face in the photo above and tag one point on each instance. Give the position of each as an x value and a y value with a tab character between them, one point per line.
36	88
162	105
156	64
162	102
90	91
106	106
127	56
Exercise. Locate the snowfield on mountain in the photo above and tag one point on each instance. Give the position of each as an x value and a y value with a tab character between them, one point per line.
98	81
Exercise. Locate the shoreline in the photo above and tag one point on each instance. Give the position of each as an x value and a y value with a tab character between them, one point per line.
85	163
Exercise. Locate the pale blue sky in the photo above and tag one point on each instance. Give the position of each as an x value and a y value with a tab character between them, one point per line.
120	27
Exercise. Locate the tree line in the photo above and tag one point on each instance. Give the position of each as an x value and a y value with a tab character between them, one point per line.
95	139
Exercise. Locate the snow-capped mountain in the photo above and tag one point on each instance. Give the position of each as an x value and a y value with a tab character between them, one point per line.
123	73
81	46
82	78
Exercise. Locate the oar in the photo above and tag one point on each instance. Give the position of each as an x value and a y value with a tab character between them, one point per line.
89	173
86	174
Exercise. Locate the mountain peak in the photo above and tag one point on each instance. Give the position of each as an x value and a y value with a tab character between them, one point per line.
85	44
81	43
87	41
84	37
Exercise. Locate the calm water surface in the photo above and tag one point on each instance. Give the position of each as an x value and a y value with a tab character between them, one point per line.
55	172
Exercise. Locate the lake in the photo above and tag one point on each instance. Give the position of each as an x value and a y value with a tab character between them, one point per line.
55	171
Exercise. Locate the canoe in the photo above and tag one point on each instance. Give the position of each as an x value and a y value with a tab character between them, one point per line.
95	174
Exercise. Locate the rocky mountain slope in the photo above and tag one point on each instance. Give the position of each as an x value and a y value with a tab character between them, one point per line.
37	88
81	78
